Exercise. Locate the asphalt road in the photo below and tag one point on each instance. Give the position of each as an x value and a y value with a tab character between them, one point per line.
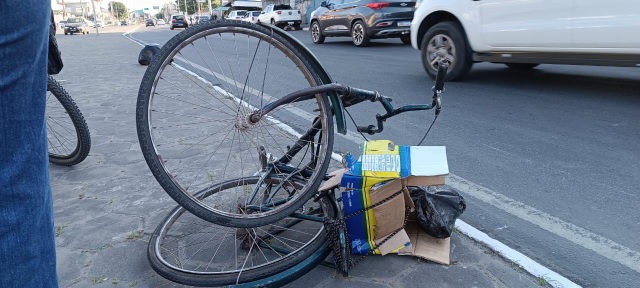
548	159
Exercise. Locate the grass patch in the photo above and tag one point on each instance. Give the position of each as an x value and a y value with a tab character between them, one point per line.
515	266
59	229
134	235
99	279
542	281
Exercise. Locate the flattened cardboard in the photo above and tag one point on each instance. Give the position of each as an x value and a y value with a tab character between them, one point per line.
421	181
426	247
334	181
401	239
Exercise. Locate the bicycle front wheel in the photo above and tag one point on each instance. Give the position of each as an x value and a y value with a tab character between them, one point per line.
194	131
68	135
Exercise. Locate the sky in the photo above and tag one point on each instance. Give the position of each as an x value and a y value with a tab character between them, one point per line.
140	4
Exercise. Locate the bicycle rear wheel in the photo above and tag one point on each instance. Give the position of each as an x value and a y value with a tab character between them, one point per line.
189	250
68	135
193	127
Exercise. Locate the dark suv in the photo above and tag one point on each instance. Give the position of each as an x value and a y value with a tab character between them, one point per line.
363	20
178	21
150	22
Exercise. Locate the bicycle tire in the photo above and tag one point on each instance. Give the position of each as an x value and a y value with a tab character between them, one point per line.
174	231
291	274
62	150
167	65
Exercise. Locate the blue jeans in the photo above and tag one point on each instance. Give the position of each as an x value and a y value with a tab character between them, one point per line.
27	244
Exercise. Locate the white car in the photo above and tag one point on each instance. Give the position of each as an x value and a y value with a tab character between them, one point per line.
251	16
160	22
236	14
98	23
525	33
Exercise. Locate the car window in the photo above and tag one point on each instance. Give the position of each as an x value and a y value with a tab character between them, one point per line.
256	13
282	7
178	17
242	13
74	20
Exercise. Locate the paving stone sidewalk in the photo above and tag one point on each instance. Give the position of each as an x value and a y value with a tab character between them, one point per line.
107	206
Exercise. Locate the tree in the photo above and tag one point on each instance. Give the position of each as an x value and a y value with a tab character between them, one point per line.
159	15
119	10
192	6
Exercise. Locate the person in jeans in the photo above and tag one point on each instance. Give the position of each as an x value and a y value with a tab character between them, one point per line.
27	244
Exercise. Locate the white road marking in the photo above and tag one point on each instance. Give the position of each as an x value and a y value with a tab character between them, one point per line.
578	235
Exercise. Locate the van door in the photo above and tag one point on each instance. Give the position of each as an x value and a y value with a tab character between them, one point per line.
610	24
526	23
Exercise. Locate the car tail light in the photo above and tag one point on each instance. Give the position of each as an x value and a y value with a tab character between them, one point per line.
384	24
278	12
377	5
173	21
252	18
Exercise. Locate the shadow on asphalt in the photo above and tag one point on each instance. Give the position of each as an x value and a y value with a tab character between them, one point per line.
608	82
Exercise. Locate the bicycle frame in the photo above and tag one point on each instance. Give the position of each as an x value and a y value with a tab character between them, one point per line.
349	97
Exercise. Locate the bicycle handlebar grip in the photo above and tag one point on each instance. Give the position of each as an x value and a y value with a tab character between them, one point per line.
362	94
442	72
367	129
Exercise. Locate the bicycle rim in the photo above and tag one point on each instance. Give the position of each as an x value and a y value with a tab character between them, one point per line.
193	126
67	132
189	250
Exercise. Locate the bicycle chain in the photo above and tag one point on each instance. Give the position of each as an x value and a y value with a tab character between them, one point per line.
334	226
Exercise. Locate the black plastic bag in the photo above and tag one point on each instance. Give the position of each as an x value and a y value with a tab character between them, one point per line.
437	212
147	53
54	64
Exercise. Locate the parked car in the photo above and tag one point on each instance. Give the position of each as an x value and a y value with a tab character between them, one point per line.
281	15
204	18
363	20
251	16
160	22
178	21
98	23
61	23
124	23
150	22
236	14
76	25
523	34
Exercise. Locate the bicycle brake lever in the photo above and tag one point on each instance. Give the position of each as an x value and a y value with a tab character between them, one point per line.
438	88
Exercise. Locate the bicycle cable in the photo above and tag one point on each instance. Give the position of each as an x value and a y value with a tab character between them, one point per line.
425	134
354	123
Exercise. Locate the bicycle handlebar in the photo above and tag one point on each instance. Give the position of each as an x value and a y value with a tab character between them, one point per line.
351	96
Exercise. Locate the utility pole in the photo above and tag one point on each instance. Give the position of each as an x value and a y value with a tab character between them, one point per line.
210	9
95	17
185	9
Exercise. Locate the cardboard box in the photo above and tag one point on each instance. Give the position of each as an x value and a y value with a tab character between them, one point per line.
384	170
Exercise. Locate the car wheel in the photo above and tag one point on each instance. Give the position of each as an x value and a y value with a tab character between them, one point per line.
406	39
359	34
446	40
171	27
316	33
521	66
273	22
65	33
